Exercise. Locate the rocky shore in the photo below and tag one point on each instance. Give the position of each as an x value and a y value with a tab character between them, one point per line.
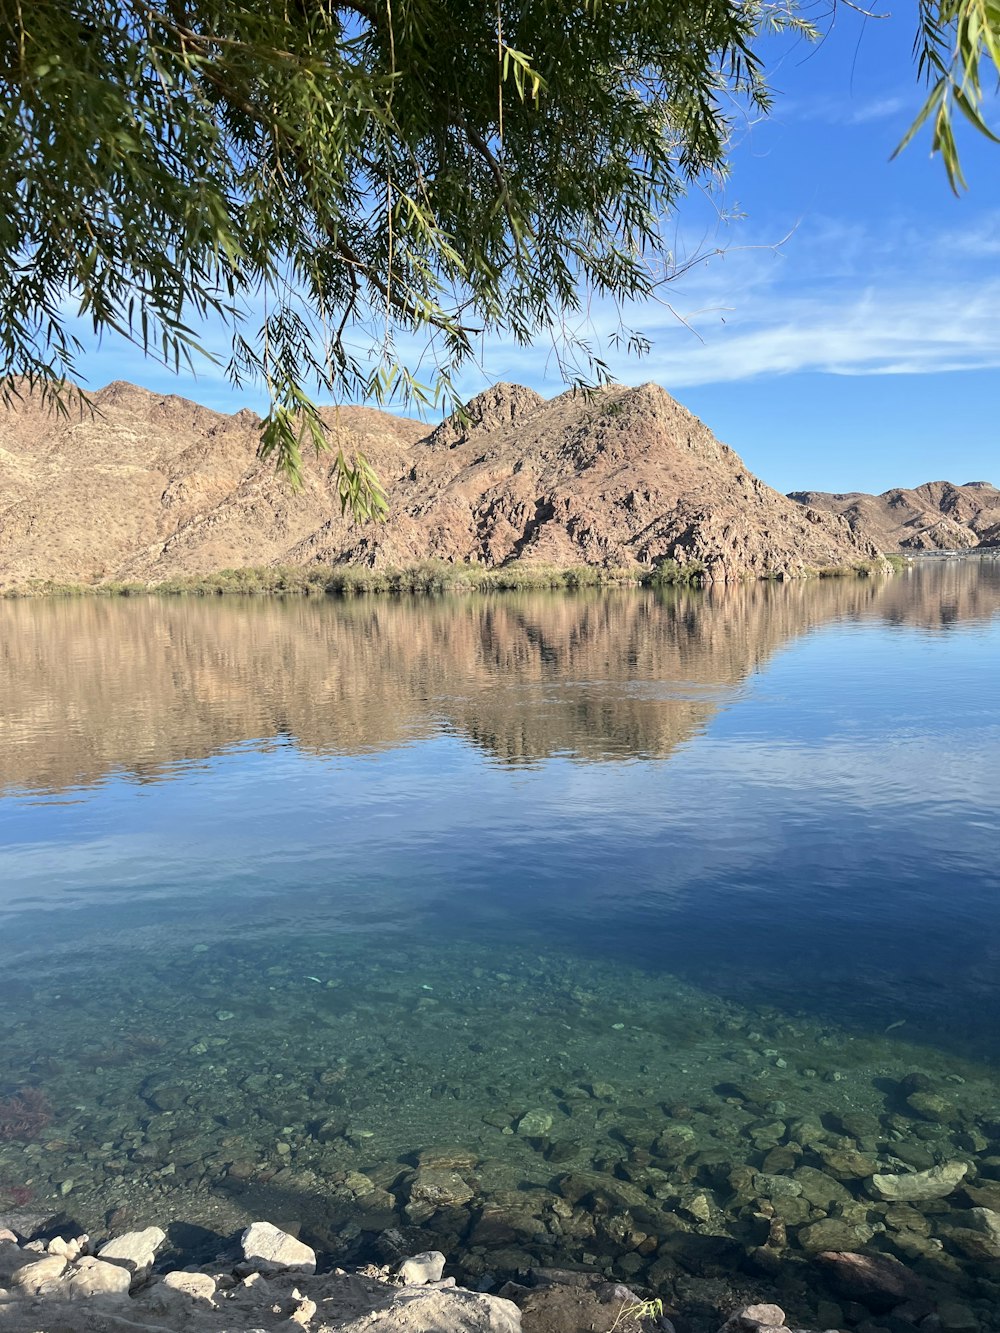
267	1279
736	1157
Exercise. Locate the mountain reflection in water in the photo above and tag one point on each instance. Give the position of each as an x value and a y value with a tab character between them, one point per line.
94	687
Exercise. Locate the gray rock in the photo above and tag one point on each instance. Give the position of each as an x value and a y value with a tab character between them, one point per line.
929	1106
439	1187
937	1183
266	1249
754	1317
135	1250
834	1233
421	1268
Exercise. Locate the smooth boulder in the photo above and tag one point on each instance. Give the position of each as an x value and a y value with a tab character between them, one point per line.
268	1249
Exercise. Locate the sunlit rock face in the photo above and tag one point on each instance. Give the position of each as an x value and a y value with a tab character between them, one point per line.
147	487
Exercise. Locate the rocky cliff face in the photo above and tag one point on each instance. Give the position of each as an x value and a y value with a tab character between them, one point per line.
150	486
937	516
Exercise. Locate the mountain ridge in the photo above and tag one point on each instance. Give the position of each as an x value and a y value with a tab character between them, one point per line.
937	515
154	486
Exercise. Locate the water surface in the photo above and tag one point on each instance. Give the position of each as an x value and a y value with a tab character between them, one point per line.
304	900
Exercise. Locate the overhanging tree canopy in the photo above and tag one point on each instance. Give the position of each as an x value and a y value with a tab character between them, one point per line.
366	176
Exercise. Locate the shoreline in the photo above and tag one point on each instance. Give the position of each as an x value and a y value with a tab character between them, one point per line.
429	577
57	1280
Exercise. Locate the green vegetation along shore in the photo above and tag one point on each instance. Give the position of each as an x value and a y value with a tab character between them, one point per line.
430	576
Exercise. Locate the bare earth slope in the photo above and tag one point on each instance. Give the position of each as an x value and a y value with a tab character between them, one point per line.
155	486
937	516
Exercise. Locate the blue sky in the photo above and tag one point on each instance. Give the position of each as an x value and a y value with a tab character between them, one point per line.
848	335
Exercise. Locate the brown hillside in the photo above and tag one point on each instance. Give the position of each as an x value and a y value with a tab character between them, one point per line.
155	486
938	516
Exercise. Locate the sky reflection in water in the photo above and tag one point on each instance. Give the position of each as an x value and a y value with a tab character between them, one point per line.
785	793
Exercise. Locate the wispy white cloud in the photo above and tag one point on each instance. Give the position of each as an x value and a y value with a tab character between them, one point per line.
847	111
882	108
880	331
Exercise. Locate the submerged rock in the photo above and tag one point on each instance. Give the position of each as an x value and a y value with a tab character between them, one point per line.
754	1319
954	1317
930	1106
936	1183
438	1187
846	1163
820	1189
834	1233
534	1124
877	1280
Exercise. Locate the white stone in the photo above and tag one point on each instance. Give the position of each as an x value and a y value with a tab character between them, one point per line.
421	1268
135	1250
268	1250
41	1277
454	1310
93	1277
304	1312
199	1286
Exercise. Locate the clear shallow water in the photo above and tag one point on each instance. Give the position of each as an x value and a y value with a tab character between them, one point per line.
292	892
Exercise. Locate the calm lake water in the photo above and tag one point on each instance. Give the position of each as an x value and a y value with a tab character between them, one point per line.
522	925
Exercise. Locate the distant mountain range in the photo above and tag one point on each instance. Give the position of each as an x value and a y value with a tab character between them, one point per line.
936	516
154	486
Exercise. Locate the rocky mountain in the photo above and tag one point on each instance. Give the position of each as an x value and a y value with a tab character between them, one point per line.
938	516
149	486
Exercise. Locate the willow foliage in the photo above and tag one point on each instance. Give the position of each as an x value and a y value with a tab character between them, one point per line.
369	178
365	175
958	55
